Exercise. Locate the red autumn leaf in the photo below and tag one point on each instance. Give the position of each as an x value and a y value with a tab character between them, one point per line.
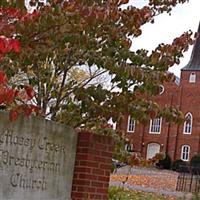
9	96
5	46
2	46
13	115
15	45
122	2
1	98
3	78
26	109
29	91
16	92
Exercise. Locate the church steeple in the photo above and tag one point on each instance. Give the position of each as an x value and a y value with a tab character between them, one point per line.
194	63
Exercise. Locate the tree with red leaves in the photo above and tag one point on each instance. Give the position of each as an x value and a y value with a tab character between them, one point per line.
94	36
13	98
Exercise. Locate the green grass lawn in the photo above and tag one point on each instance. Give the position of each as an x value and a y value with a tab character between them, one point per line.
116	193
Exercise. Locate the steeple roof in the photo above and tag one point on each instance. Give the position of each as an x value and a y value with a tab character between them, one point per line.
194	62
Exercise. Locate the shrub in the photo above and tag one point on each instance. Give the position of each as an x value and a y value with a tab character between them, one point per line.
164	163
195	161
195	164
180	166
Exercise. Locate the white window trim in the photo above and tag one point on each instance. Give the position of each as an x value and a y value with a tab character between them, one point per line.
162	89
151	126
192	77
128	124
128	145
188	152
184	126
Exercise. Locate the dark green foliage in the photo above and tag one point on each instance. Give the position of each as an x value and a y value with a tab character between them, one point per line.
195	161
165	163
195	164
180	166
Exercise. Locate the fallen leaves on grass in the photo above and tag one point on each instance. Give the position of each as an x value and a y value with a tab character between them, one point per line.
116	193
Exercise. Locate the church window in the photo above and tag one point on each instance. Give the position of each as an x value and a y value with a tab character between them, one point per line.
192	78
129	147
161	89
131	125
185	152
155	125
187	128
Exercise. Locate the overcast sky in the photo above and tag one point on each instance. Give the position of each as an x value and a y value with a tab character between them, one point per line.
184	17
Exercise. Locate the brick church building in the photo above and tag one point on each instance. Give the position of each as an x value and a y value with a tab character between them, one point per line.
178	141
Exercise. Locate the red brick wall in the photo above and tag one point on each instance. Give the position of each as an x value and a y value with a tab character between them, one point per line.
141	137
92	167
186	97
190	102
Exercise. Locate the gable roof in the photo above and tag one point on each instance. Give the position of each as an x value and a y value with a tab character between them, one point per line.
194	62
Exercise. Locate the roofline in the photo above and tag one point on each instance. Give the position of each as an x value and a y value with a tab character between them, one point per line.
194	62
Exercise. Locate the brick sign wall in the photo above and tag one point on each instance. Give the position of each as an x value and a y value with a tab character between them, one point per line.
92	167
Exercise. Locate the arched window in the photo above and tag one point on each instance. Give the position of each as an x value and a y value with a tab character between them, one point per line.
155	126
192	78
185	152
130	125
152	150
161	89
129	147
187	128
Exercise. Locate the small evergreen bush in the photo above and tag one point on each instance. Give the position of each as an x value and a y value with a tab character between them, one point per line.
195	164
165	163
180	166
